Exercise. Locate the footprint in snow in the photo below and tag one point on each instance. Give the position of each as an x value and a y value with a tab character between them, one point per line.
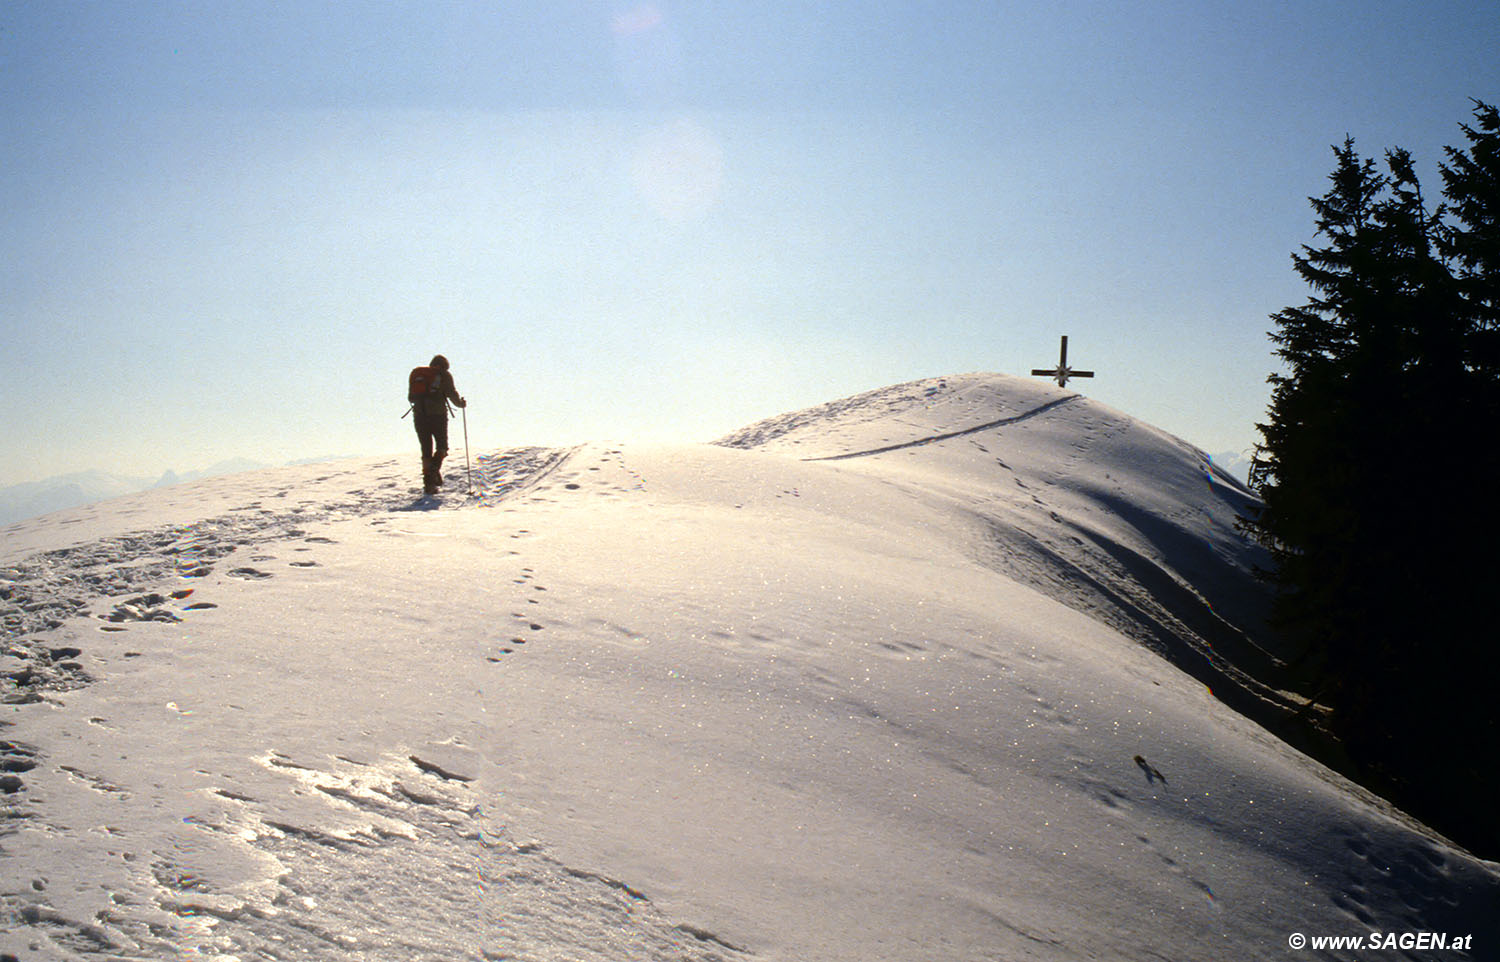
148	607
509	649
16	758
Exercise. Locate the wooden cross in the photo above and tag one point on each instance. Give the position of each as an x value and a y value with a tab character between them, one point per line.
1062	372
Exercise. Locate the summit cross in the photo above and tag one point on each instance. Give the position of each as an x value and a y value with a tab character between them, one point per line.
1062	372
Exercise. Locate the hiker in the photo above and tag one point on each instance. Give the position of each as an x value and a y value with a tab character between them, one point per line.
430	390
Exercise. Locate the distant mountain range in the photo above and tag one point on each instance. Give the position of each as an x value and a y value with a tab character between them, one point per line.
1236	463
35	498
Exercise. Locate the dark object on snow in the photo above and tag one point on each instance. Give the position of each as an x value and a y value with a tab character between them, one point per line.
1152	773
430	388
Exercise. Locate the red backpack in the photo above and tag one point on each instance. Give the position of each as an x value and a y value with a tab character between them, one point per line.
425	382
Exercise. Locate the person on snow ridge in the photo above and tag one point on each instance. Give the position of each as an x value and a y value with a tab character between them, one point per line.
429	393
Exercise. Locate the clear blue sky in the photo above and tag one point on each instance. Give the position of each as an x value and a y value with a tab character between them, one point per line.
231	228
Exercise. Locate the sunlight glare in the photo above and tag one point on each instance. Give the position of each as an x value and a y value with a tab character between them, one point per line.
679	170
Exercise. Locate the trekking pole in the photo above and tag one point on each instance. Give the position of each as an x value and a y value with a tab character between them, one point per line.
467	470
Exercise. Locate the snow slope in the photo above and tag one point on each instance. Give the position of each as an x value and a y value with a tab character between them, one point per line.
895	678
1094	509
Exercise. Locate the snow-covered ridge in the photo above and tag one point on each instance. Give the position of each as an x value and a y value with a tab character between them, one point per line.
882	681
1083	503
909	413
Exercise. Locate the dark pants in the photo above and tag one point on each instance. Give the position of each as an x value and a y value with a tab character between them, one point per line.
432	432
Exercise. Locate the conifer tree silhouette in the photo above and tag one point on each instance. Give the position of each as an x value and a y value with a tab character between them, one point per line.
1377	472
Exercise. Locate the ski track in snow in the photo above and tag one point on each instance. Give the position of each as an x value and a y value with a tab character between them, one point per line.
404	818
935	438
39	593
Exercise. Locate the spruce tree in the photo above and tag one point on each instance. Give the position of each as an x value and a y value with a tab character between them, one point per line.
1376	469
1305	465
1469	551
1471	182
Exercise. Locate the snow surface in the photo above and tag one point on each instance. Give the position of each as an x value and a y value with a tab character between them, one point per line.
894	678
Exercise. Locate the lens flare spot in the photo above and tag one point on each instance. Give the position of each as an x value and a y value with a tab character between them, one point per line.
641	19
679	170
